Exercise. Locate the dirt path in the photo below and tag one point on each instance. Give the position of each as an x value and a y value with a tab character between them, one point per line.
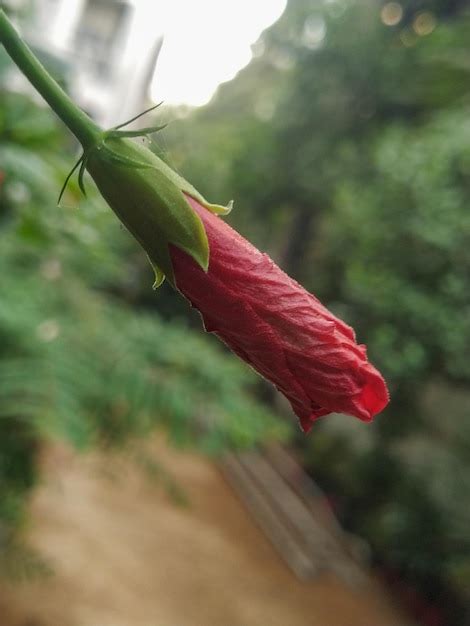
125	555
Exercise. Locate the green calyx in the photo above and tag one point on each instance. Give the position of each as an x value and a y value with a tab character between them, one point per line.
135	185
148	197
100	144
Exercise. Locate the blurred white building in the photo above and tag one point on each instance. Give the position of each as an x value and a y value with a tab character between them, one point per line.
110	47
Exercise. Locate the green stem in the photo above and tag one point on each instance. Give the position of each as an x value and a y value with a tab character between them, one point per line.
84	129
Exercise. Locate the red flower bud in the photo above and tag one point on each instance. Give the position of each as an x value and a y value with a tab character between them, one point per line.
265	317
277	327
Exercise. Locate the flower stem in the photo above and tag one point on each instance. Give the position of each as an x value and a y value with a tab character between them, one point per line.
82	126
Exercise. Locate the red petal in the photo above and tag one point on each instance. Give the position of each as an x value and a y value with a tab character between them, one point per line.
277	327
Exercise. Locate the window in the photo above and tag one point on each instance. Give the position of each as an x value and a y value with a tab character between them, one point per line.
99	33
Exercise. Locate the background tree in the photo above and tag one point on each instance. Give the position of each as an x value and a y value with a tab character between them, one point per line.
345	144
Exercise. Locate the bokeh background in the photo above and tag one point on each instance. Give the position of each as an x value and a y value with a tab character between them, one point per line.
344	140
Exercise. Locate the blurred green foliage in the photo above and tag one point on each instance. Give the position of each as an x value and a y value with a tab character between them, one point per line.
80	358
345	144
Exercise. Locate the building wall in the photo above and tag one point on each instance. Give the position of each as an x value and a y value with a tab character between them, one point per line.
111	47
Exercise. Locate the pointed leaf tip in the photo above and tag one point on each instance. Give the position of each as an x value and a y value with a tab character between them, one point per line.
218	209
159	275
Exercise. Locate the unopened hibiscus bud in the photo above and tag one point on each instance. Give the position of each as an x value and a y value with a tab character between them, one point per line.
277	327
264	316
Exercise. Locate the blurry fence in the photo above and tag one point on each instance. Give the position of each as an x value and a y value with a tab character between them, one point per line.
294	514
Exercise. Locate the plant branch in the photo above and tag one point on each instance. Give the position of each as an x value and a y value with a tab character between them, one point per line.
84	129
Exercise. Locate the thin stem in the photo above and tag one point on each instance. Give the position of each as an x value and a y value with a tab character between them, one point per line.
84	129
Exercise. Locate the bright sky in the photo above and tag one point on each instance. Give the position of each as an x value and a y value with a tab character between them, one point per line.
206	43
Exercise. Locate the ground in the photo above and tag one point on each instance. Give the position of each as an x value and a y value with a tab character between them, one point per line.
125	554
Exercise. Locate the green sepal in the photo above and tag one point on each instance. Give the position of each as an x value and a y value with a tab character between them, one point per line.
142	132
138	116
81	173
107	153
136	185
188	189
159	275
120	159
69	176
